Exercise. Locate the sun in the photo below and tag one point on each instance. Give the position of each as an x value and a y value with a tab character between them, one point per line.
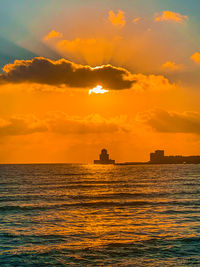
98	90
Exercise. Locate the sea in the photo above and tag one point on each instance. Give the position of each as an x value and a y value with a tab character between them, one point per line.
99	215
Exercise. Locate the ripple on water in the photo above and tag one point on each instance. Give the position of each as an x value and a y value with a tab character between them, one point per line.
79	215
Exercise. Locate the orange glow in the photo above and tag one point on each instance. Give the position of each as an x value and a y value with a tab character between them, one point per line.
94	51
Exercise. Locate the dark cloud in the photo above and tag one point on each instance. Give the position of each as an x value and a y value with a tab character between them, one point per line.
173	122
63	72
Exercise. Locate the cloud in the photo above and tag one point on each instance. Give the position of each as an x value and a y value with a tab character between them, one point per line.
172	66
171	16
63	72
151	82
53	34
172	122
96	124
61	123
195	57
21	125
136	20
117	19
76	44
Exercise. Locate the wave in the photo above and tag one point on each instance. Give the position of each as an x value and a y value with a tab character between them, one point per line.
74	174
99	204
119	196
155	251
67	196
176	212
62	206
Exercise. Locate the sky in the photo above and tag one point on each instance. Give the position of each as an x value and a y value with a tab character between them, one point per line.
78	76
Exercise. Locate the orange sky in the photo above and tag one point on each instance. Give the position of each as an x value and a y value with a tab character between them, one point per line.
144	59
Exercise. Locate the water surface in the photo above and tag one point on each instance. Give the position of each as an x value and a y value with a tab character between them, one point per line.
90	215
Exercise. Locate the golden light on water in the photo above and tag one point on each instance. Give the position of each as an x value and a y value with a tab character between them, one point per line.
98	90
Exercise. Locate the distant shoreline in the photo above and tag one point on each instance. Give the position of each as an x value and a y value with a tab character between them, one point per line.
117	164
152	163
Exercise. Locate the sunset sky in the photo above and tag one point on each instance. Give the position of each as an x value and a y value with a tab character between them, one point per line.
144	55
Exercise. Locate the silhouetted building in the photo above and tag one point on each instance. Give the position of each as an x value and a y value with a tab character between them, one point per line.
104	158
158	157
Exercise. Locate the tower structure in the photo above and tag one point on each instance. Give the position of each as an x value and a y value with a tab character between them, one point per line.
104	158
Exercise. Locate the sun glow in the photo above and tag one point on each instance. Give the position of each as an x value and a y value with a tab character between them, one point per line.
98	90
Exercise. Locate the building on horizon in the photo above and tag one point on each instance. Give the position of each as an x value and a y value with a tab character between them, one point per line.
158	157
104	158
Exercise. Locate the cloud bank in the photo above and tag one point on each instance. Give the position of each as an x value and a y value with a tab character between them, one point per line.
21	125
60	123
172	122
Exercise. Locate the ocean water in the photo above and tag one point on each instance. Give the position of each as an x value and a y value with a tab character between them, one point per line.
90	215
